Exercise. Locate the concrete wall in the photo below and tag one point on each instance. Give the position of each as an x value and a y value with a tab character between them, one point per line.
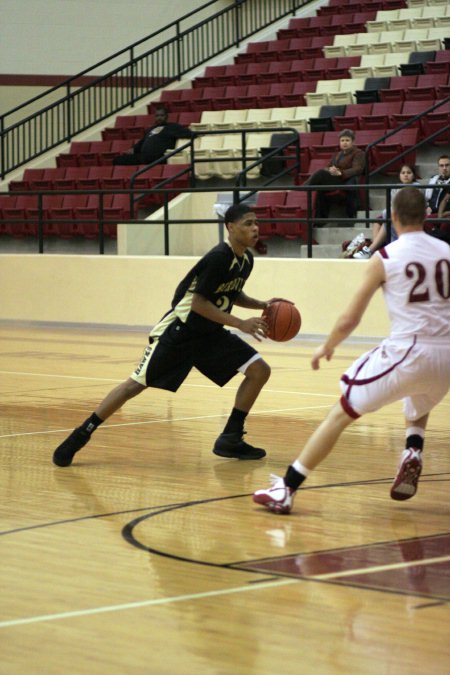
136	291
66	36
191	239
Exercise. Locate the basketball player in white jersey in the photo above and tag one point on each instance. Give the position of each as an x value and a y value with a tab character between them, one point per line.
412	365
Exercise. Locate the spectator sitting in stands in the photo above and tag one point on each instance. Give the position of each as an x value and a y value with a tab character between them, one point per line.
344	168
407	176
160	137
435	195
438	197
437	200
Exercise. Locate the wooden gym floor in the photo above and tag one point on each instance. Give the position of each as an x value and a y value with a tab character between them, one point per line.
148	556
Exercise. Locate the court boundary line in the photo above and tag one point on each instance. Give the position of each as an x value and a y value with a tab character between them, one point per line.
227	591
146	603
379	568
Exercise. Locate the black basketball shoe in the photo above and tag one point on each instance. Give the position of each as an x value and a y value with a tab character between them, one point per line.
64	453
233	446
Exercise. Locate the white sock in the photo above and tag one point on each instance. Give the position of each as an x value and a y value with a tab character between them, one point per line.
417	431
300	468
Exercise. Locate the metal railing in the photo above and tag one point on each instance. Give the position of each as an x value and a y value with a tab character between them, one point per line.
131	74
103	227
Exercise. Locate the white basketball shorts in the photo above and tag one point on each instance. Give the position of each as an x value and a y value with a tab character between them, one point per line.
415	371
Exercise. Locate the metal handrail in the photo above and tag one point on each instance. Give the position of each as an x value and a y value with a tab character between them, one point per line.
309	219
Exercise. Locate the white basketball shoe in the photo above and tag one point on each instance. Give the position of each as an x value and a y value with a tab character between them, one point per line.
278	498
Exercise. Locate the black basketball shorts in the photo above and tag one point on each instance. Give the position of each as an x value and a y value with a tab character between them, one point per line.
167	361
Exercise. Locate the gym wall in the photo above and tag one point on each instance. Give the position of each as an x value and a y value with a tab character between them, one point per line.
137	290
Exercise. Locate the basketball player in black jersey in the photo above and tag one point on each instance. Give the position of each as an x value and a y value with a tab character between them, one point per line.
192	334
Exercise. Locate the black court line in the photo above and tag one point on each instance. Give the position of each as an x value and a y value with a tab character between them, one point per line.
127	533
107	514
243	566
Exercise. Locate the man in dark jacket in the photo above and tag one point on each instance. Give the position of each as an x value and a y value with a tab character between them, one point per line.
344	168
160	137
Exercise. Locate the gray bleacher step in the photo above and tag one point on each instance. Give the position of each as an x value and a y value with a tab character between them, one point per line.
322	251
336	235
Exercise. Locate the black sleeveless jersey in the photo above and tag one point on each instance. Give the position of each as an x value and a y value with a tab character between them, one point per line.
219	277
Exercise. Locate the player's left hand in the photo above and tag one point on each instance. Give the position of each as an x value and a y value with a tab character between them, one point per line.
268	302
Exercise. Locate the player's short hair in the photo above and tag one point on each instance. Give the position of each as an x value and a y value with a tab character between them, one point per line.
235	212
410	206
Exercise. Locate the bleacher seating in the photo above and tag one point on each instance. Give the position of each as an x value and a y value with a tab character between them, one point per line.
325	68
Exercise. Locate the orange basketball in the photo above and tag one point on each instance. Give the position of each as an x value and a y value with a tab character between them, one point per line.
283	319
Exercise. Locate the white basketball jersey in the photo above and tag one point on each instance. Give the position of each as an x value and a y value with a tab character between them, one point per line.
417	288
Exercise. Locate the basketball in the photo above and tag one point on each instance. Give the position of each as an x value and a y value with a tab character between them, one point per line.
283	319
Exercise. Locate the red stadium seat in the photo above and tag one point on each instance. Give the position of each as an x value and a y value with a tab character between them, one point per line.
297	95
15	217
28	176
266	202
295	209
61	216
434	122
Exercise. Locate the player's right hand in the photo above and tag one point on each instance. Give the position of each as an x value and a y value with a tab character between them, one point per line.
320	353
255	326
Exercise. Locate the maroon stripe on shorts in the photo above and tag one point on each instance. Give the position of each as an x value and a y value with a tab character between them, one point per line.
368	380
348	408
383	252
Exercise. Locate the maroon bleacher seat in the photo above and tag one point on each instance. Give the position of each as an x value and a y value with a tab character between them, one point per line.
378	122
265	203
253	70
294	207
232	75
112	134
188	118
393	146
411	109
61	216
169	171
297	95
32	214
397	88
274	51
7	201
24	184
434	122
352	117
15	216
187	101
276	73
258	96
209	77
389	109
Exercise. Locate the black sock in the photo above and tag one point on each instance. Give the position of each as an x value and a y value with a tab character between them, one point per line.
293	478
235	421
414	441
91	423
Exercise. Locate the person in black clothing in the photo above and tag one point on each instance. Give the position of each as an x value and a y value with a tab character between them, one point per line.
160	137
192	334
